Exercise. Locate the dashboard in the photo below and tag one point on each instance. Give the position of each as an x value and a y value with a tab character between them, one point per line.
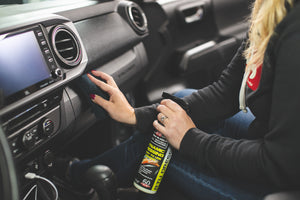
41	56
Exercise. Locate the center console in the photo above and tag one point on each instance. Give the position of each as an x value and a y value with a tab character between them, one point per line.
28	66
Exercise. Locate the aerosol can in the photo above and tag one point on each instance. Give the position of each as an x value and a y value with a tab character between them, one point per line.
156	159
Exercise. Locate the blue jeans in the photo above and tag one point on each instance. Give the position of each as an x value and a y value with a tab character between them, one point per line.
124	160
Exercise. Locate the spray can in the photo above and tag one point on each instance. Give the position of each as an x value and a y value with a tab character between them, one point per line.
156	159
154	164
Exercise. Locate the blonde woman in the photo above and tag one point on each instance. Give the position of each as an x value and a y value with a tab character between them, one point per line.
221	153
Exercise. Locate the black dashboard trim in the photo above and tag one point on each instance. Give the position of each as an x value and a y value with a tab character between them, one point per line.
87	12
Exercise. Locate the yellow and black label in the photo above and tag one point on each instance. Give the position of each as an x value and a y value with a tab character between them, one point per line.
154	164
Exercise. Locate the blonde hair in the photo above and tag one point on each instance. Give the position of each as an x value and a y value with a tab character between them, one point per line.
266	14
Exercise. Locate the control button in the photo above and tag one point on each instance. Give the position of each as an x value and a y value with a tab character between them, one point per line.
14	144
35	130
28	139
50	60
16	151
39	33
47	51
58	72
48	127
43	42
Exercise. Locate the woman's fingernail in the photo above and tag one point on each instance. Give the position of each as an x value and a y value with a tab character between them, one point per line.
93	70
92	96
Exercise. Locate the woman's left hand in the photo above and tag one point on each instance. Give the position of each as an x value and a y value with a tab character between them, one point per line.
175	122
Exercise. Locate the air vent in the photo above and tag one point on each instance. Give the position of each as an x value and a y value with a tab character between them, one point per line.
137	18
66	46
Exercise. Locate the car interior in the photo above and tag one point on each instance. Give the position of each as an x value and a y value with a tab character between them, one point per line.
147	46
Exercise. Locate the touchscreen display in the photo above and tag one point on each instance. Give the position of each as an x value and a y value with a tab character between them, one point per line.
22	63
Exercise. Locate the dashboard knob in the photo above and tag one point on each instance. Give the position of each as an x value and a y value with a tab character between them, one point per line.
48	127
28	139
58	72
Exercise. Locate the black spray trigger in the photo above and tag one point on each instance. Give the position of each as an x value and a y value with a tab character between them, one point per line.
184	105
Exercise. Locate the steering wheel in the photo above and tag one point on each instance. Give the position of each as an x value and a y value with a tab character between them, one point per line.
8	184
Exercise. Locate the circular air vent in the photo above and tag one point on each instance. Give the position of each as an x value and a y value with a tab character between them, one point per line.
137	18
66	46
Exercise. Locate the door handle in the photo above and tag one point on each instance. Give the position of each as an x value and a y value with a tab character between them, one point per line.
192	12
196	16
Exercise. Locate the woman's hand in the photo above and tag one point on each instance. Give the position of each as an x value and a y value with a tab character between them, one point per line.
175	122
117	106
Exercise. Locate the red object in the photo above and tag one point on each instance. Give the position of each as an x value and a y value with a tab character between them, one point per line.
254	78
145	185
158	134
92	96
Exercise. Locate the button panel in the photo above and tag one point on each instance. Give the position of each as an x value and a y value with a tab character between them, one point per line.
48	127
15	146
24	140
46	52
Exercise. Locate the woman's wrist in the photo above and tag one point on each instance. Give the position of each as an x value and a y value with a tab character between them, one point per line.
132	118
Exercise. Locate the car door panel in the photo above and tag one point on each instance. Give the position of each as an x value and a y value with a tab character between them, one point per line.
204	36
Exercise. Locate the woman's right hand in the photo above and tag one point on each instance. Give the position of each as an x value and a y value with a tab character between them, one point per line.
117	106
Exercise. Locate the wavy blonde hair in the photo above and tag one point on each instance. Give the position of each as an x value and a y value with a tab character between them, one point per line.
266	14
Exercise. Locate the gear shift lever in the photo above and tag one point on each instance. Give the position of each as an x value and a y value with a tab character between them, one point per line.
103	180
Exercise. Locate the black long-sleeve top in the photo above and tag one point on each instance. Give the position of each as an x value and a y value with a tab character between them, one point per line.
274	155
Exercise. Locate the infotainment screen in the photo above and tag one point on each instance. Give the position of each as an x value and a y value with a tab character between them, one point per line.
23	65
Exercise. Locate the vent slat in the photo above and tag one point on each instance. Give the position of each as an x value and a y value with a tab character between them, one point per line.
63	40
70	58
66	49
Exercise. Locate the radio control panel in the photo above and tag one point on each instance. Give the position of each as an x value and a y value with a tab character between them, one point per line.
29	128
